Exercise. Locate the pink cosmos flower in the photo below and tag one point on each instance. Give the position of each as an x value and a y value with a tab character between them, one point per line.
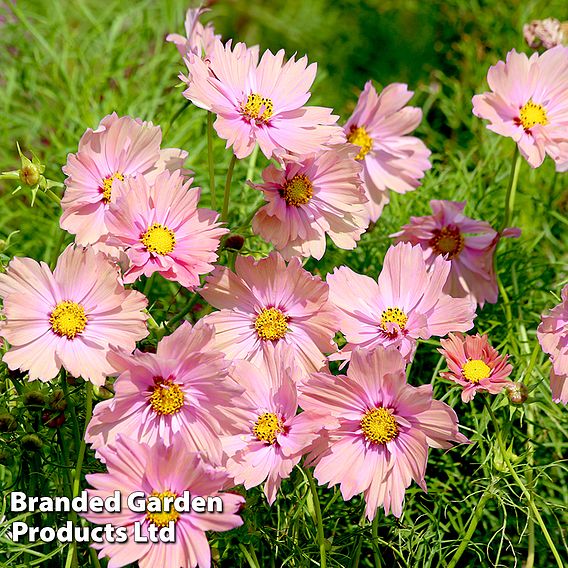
528	102
69	317
120	148
552	335
273	437
260	102
406	304
385	428
163	472
163	231
183	389
199	38
319	195
268	301
391	159
445	233
474	365
546	33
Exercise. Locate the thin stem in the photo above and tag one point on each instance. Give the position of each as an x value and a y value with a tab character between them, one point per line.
225	212
512	188
184	312
522	487
248	556
375	539
71	406
94	558
81	457
53	196
319	520
57	249
210	160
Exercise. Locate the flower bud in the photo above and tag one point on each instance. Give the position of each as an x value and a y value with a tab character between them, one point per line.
58	401
517	392
34	400
53	419
7	422
30	175
31	443
234	242
104	392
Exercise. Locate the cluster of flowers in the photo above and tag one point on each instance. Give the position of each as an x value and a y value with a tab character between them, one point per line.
218	404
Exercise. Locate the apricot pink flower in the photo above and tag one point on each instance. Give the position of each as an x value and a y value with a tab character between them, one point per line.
392	160
385	428
528	102
407	303
552	335
163	231
120	148
69	317
162	472
268	301
198	38
182	389
307	199
474	365
468	244
260	101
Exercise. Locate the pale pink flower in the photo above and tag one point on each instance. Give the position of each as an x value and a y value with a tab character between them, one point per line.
552	335
474	364
528	102
273	437
120	148
260	101
545	33
468	244
69	317
199	39
183	388
392	160
407	303
163	231
267	300
307	199
161	471
385	428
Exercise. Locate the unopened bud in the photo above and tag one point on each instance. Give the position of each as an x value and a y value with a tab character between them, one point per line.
31	443
234	242
29	175
517	392
7	422
58	401
104	392
53	419
34	400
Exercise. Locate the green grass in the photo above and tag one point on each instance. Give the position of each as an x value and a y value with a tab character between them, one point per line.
64	66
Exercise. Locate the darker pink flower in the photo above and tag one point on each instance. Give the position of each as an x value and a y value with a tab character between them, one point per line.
120	148
407	303
69	317
160	471
307	199
392	160
385	427
474	364
268	301
198	39
163	231
468	244
260	101
528	102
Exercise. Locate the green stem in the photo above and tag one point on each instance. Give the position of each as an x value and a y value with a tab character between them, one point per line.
375	540
319	520
71	406
178	113
248	556
53	196
94	558
184	312
512	188
522	487
210	159
225	212
57	249
82	448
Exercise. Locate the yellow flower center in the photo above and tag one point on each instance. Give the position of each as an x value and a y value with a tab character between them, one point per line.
271	324
298	190
267	427
531	114
163	518
393	315
475	370
158	239
359	137
167	397
258	108
68	318
107	185
379	426
447	241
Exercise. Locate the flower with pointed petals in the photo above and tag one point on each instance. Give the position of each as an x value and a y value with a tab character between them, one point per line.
392	160
474	364
468	244
260	101
199	39
160	471
528	102
267	300
69	317
307	199
163	231
120	148
385	427
407	303
552	335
